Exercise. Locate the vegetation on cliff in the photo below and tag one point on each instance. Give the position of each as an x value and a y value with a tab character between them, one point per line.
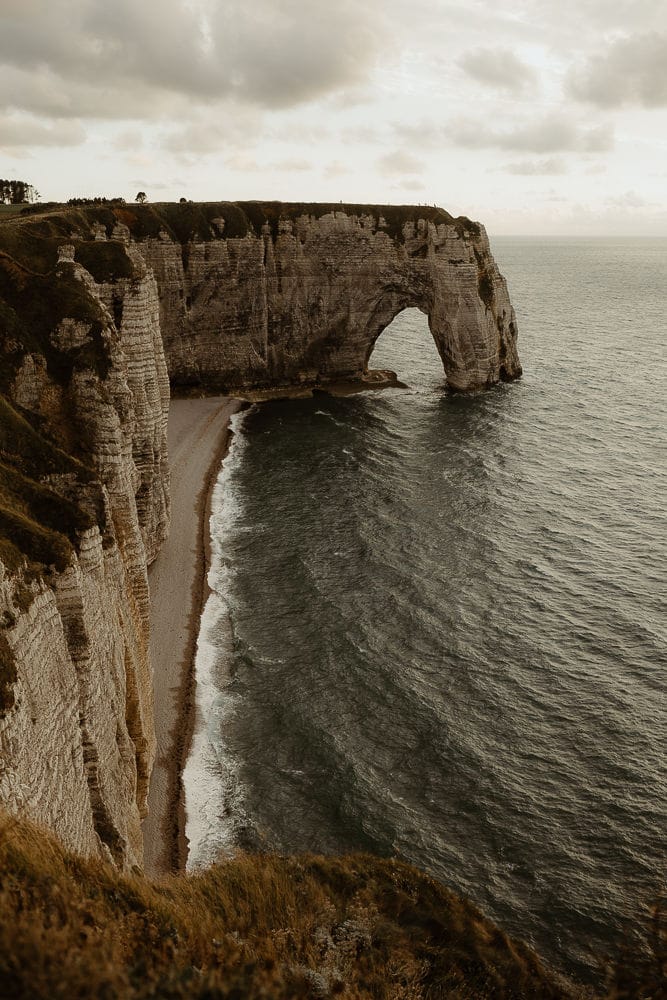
268	926
39	526
261	926
47	488
36	522
34	238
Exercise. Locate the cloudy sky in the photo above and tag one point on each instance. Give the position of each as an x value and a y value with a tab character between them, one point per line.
530	115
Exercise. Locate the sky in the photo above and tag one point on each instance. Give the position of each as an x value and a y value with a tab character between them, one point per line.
532	116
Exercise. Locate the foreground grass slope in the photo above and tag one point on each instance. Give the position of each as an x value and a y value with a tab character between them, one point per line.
261	926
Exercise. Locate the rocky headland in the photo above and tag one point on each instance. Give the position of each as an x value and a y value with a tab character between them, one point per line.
272	296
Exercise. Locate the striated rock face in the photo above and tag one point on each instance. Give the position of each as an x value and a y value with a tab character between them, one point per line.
76	726
303	301
244	296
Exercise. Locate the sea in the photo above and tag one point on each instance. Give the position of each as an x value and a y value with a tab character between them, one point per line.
438	623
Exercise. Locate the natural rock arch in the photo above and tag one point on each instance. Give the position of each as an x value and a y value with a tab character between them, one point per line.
383	318
301	297
389	338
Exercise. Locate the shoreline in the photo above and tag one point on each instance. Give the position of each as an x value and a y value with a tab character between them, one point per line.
200	436
178	843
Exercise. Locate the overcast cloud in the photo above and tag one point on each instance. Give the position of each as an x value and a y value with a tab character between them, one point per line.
537	168
468	104
553	133
22	132
276	53
499	68
631	71
400	162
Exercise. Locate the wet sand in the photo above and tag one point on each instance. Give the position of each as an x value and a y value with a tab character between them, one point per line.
198	435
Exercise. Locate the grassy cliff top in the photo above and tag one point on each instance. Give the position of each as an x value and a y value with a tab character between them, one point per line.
33	238
32	304
39	526
249	927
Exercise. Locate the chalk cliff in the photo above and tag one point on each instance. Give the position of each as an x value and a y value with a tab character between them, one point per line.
99	308
302	295
83	509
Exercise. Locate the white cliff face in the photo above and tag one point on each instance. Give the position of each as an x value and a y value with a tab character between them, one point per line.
145	373
77	746
42	769
307	306
67	757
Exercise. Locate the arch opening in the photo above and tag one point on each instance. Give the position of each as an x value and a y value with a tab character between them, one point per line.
405	349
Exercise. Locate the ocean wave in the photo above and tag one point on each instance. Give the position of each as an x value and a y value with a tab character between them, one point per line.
210	777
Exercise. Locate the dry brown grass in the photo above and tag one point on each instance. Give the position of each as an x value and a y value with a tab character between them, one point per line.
641	971
253	926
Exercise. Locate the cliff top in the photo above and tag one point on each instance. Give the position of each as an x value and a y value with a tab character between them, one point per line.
32	238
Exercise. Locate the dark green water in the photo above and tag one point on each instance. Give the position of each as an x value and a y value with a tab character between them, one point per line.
439	628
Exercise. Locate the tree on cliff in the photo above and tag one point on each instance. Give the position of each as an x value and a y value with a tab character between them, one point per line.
16	192
141	197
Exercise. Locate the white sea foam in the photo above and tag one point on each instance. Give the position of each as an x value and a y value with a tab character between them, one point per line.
210	776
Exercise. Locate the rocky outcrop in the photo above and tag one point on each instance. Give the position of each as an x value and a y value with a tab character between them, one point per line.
303	300
98	309
76	730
